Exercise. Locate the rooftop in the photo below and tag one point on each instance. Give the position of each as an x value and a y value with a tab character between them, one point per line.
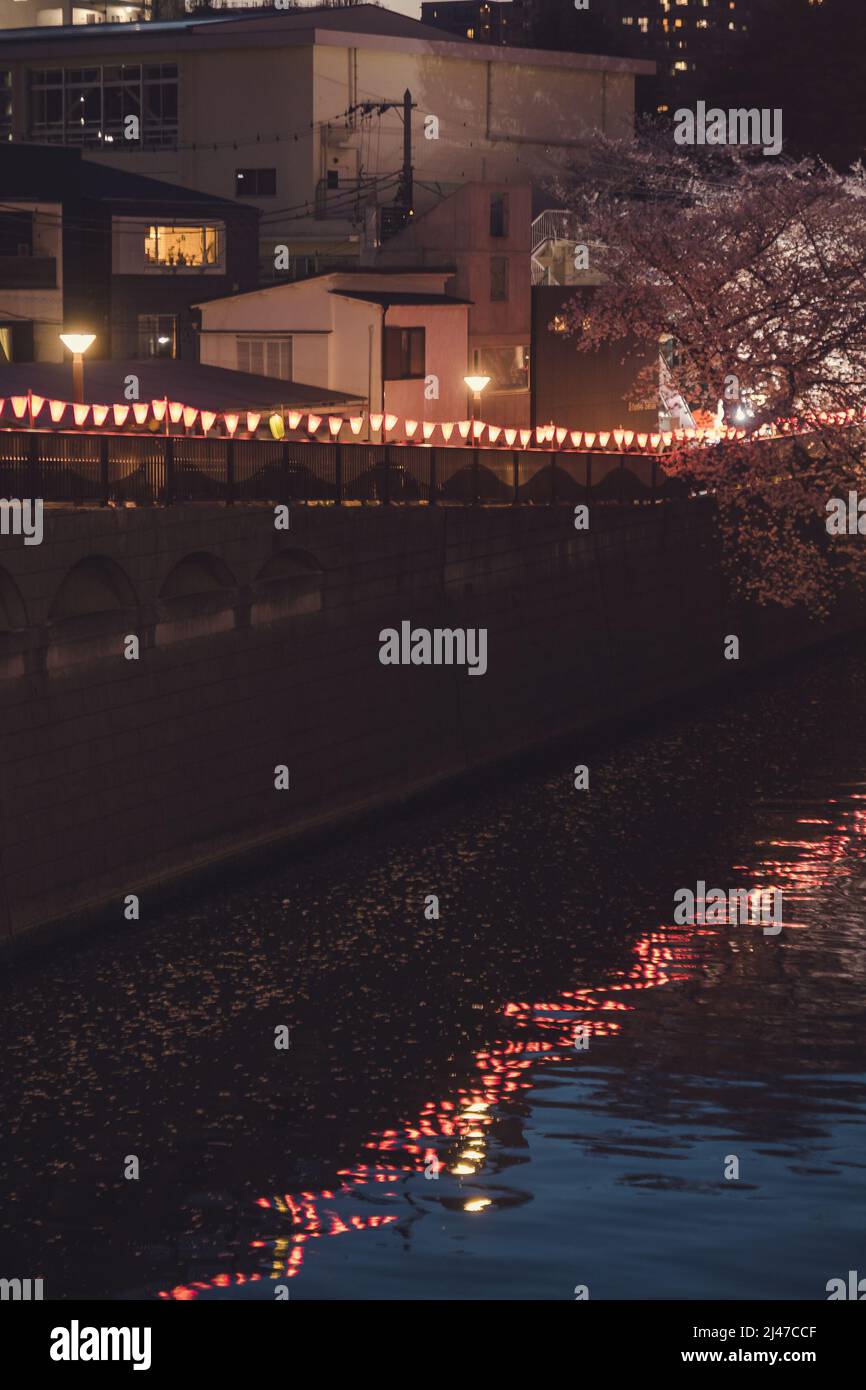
357	26
208	388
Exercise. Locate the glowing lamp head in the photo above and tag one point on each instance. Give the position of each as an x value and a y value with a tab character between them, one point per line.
477	383
77	343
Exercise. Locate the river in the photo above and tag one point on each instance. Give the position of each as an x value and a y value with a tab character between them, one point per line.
432	1131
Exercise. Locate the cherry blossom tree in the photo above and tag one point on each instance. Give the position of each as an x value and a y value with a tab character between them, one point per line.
755	269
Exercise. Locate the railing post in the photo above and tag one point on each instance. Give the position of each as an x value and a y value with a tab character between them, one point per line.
515	477
32	464
588	475
434	456
338	473
475	476
654	478
553	457
230	473
103	470
386	490
168	473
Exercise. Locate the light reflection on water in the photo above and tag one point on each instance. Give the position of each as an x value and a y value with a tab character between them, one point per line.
450	1045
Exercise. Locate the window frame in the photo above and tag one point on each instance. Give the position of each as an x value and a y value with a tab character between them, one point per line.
407	351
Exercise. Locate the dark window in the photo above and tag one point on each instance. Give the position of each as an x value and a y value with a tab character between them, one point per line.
333	178
404	353
499	214
157	335
255	183
498	278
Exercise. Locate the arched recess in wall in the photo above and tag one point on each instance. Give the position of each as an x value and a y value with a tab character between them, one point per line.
94	606
13	625
290	584
198	598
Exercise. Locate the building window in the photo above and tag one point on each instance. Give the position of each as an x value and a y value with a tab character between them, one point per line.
177	248
255	183
404	353
507	367
265	356
498	279
157	335
92	106
499	214
5	104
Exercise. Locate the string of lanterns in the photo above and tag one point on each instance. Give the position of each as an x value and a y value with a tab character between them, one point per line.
392	429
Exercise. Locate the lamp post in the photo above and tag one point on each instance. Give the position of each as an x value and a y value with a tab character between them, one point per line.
77	343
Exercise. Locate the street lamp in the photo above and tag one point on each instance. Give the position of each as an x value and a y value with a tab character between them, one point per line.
476	385
77	343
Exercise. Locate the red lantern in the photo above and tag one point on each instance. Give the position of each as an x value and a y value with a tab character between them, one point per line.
121	414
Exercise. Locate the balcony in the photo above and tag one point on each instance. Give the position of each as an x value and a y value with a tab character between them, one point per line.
28	273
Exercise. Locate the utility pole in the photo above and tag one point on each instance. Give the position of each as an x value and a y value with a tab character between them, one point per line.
404	188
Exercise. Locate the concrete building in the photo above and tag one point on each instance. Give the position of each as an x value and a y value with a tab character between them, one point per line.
483	231
301	114
92	249
396	339
22	14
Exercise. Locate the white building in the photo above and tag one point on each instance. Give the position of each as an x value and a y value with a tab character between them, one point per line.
396	338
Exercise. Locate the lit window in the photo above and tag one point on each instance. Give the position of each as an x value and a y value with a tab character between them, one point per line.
179	247
507	367
157	335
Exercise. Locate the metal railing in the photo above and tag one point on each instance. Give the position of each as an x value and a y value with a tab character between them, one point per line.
161	470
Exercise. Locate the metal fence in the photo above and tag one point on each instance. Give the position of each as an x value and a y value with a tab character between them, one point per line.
159	470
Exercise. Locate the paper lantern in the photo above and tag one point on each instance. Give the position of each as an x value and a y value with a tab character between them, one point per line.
335	424
275	424
175	410
2	404
448	430
464	426
655	440
36	404
493	433
525	436
208	420
159	408
667	438
642	440
510	436
376	422
190	412
294	418
619	436
100	413
19	406
560	435
410	426
428	429
231	419
589	440
576	437
629	438
253	418
478	428
355	423
57	410
313	423
81	413
540	434
121	414
551	431
390	421
604	440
